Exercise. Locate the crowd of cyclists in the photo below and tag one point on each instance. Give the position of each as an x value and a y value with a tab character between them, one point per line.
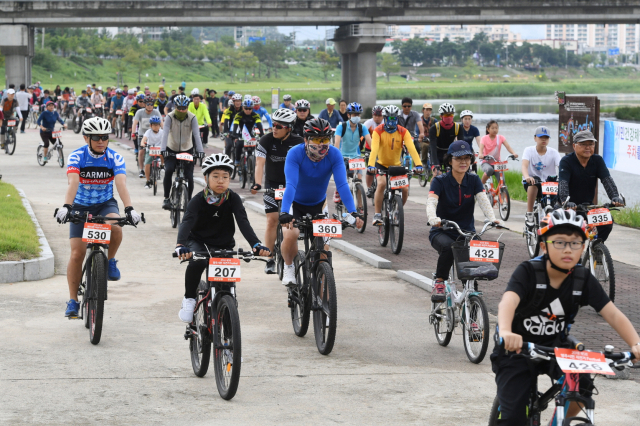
300	153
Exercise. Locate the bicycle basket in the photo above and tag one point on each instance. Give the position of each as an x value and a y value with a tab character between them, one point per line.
472	270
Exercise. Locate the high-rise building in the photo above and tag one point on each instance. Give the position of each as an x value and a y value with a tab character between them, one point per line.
626	37
455	32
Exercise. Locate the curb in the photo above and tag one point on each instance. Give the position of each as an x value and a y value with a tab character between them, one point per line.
416	279
33	269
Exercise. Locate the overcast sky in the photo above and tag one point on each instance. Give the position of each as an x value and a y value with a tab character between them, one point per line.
311	33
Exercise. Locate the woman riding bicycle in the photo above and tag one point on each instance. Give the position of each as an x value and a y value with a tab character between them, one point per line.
452	197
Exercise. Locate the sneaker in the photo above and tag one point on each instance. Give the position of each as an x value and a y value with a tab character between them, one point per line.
21	131
336	197
166	204
141	174
438	293
370	192
528	219
289	276
135	151
377	219
270	267
72	308
148	185
114	272
186	312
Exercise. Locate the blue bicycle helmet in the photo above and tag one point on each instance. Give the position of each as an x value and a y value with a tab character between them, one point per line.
354	107
140	96
181	101
231	93
155	120
248	103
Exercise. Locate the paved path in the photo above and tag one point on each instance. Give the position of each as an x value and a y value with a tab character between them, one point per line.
386	367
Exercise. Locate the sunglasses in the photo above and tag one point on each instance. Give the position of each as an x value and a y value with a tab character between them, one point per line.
406	106
320	141
279	126
97	138
248	108
302	109
181	108
392	118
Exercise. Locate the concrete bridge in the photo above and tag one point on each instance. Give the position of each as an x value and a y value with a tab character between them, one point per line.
361	33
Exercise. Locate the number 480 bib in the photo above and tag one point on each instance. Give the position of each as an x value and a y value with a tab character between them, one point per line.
226	270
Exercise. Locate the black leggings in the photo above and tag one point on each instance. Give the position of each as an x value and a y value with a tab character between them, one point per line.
193	274
204	136
234	144
25	114
46	138
442	243
170	167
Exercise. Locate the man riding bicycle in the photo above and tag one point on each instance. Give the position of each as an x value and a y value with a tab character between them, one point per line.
248	118
47	122
141	123
261	111
9	107
441	135
115	105
91	172
308	168
303	114
386	151
227	120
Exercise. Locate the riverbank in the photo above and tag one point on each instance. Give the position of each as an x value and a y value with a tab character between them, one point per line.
18	237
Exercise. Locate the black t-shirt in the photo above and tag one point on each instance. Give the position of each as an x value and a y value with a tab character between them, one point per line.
344	116
542	327
275	152
470	136
582	180
214	225
298	125
442	142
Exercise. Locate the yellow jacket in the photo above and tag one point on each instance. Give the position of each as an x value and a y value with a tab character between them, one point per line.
202	113
387	147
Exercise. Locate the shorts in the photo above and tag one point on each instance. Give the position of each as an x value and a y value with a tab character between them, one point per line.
270	203
298	210
487	169
147	158
109	206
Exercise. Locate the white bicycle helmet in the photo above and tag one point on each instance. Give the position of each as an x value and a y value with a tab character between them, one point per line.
230	103
446	108
390	111
256	100
237	97
195	91
96	126
284	115
562	217
216	160
131	92
247	97
286	98
465	113
302	103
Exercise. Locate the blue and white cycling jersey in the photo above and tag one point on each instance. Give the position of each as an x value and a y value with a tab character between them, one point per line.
96	174
262	112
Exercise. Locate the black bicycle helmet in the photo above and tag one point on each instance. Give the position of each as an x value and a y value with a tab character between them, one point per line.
318	128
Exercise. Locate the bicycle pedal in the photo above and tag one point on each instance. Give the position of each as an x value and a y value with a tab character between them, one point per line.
74	318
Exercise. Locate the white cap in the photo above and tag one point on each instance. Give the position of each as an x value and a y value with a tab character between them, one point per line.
11	92
99	87
88	85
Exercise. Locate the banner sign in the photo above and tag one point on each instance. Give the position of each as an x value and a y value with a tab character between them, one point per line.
621	147
275	99
578	113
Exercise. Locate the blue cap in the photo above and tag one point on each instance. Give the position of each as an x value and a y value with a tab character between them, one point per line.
542	131
460	148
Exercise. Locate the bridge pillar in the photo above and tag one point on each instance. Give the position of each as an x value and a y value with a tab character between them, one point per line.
17	46
358	45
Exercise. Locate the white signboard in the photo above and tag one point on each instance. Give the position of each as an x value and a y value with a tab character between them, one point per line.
621	147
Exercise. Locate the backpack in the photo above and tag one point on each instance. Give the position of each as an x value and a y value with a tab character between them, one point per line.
438	129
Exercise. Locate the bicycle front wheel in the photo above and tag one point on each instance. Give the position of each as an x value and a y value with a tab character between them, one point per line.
227	343
475	330
361	205
60	158
251	164
10	144
603	268
175	211
494	414
98	292
200	341
396	224
154	176
277	255
299	300
504	203
383	230
533	247
325	316
244	177
40	155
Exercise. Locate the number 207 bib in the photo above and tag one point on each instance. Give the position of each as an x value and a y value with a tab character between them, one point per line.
225	270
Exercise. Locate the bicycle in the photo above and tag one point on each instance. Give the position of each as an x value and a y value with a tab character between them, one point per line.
392	208
426	177
315	288
81	116
119	124
57	147
32	118
179	195
277	194
247	162
474	260
10	136
547	192
357	191
374	185
98	110
573	362
500	190
156	167
93	285
216	320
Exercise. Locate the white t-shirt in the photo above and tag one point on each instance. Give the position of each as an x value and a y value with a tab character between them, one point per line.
153	139
542	166
370	125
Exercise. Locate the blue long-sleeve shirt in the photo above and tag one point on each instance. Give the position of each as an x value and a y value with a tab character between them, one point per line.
116	103
307	181
262	112
291	107
48	119
335	118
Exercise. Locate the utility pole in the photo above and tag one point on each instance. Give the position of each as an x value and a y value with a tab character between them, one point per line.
43	37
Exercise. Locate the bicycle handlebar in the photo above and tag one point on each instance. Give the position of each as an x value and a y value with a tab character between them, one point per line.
449	224
247	256
86	217
492	158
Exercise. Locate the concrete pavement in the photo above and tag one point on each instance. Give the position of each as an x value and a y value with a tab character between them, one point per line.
386	367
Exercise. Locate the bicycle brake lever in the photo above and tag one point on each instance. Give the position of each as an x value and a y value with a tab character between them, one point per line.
142	218
55	213
537	355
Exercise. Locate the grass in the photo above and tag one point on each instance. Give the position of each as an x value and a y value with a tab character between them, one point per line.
628	113
513	180
18	238
628	216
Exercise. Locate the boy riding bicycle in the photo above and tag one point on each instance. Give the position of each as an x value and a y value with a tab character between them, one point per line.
542	299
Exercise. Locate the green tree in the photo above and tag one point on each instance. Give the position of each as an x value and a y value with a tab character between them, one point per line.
136	61
389	65
327	62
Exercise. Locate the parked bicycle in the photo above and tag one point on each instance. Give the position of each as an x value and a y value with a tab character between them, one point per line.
474	260
57	147
179	195
10	136
357	191
498	192
547	193
216	320
247	161
155	174
93	285
392	208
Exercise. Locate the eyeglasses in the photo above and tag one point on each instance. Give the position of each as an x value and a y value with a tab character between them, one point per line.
320	141
463	159
279	126
392	118
406	106
586	144
302	110
219	178
181	108
561	245
97	138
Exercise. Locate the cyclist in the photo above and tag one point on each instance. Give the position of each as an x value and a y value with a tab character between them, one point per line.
138	103
116	104
161	102
539	161
200	110
409	120
140	126
286	103
541	301
469	131
271	154
152	137
371	124
9	107
330	114
96	97
213	102
262	112
227	119
126	106
386	151
91	172
47	122
350	137
179	125
441	135
303	113
248	118
82	102
579	174
208	224
427	122
491	144
308	168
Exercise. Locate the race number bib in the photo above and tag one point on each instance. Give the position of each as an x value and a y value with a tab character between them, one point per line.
327	228
98	105
88	109
356	164
36	107
11	123
225	270
599	217
72	102
184	156
501	167
550	188
119	112
484	251
278	193
154	151
96	233
573	361
250	142
56	134
398	182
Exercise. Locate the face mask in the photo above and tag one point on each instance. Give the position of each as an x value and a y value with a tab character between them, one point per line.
355	120
447	122
181	115
317	152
